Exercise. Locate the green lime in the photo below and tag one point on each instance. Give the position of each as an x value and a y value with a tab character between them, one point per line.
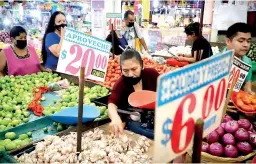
10	135
29	134
15	122
25	120
2	148
45	129
10	146
17	141
23	136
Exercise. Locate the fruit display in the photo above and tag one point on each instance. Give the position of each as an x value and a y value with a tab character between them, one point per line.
114	71
69	98
13	141
231	139
244	101
16	94
97	147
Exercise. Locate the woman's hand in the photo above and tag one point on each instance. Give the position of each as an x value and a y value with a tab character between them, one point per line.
43	69
179	58
116	126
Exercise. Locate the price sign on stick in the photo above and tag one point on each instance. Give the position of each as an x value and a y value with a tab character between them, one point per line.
239	71
82	50
115	19
185	95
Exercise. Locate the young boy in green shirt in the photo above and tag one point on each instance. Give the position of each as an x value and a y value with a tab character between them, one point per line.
239	39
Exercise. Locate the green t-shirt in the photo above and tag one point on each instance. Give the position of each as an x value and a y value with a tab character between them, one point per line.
249	62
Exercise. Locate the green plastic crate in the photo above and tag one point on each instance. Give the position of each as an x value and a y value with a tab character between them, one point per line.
5	157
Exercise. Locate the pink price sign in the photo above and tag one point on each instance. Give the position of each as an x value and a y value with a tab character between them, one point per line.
115	19
183	96
79	49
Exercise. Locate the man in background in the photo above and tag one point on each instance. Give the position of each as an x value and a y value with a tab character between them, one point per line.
132	31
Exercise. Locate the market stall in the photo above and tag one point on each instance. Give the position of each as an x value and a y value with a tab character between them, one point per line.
194	92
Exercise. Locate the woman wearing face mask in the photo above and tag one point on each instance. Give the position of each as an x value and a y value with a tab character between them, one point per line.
135	77
119	41
52	40
19	59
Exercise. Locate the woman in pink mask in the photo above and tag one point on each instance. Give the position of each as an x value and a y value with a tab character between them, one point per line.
19	58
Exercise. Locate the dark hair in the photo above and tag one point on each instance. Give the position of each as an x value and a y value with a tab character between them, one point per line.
130	54
50	28
127	13
193	28
238	27
16	31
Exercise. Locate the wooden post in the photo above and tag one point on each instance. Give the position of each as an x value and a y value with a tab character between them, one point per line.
228	97
80	110
113	39
197	143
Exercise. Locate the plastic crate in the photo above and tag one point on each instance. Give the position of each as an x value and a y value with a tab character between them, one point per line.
5	157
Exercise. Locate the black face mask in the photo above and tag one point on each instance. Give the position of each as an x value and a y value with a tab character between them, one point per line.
21	44
131	24
131	80
58	27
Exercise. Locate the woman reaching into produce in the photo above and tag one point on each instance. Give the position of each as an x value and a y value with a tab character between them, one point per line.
134	78
239	39
53	39
201	48
19	59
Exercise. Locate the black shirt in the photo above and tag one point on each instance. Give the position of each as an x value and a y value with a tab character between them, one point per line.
117	43
202	44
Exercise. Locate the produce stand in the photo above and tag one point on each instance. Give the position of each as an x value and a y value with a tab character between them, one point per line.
101	125
40	126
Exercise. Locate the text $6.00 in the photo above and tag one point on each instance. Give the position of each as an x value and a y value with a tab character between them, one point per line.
212	100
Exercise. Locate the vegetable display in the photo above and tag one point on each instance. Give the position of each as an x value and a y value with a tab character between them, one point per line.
114	71
69	98
16	94
12	141
244	102
231	139
97	147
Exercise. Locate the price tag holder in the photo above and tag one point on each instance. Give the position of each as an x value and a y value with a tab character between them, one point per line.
185	95
79	49
239	71
115	19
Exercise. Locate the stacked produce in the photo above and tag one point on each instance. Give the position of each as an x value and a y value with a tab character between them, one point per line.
12	141
69	98
232	139
16	94
97	147
245	101
175	50
114	71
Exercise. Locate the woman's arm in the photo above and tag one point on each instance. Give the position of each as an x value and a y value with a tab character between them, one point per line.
2	63
43	69
112	111
56	48
190	59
